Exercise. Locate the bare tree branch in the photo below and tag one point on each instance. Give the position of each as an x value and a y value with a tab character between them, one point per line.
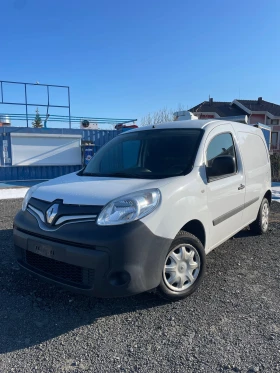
160	116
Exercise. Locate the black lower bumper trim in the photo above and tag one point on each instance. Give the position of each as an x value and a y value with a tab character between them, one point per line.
125	260
69	274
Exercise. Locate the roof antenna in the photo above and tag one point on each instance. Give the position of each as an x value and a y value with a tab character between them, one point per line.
239	92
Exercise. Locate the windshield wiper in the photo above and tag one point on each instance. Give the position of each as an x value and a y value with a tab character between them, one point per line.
113	174
125	174
91	174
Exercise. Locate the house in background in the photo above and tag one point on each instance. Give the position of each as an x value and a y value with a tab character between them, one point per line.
258	111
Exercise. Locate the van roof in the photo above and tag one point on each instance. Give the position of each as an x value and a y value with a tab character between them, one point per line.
197	123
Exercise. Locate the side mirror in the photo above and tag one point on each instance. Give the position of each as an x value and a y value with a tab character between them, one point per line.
222	165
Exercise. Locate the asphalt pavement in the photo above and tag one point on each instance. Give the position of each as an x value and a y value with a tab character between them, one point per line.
231	324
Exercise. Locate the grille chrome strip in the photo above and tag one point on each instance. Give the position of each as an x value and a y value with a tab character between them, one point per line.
38	212
44	227
66	218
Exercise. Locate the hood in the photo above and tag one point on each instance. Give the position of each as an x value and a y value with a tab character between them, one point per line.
86	190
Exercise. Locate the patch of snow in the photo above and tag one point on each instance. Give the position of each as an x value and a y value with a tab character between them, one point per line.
13	193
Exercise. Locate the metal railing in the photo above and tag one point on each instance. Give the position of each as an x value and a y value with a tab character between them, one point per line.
16	119
26	103
25	100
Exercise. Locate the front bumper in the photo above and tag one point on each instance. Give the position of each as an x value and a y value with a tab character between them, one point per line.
100	261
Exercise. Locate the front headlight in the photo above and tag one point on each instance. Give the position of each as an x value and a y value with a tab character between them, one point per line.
28	196
131	207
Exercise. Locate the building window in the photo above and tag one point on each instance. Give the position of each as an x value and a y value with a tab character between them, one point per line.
274	122
274	140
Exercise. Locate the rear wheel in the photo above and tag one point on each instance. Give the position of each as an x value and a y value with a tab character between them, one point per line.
260	225
183	268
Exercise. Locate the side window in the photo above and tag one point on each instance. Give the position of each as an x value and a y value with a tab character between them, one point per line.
220	157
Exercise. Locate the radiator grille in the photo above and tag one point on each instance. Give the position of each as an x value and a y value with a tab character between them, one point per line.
60	271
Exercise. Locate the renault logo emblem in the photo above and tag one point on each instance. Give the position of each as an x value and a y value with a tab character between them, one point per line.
51	213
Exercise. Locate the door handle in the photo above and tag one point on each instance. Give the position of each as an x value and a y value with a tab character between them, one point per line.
241	187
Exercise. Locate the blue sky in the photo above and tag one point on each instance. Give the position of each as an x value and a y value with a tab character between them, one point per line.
126	58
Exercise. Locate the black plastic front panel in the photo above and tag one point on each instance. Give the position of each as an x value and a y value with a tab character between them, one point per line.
130	248
59	271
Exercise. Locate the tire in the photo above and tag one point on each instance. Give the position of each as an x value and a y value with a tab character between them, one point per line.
260	225
188	247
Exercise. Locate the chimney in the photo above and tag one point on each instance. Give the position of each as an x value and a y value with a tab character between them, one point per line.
210	100
259	100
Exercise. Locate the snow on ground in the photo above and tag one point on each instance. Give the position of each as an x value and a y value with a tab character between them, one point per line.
276	191
12	193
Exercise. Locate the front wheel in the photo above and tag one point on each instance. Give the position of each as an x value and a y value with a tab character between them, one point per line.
260	225
183	269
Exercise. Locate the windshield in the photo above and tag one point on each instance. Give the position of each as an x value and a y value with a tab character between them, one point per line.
147	154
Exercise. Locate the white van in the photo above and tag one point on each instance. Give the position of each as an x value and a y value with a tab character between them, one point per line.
146	210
